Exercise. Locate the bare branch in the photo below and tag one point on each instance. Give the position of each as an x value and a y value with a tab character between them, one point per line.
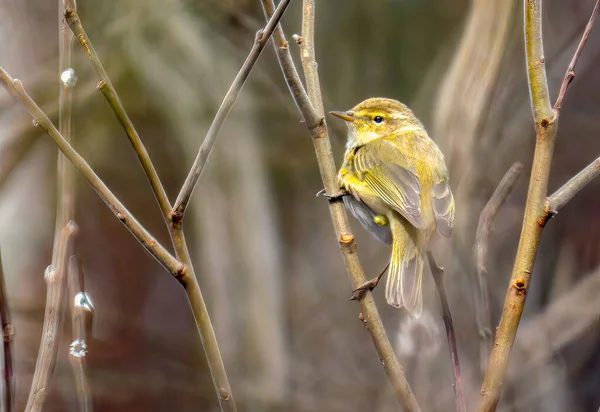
563	195
230	98
318	131
116	105
536	208
82	316
570	74
15	88
46	361
438	276
7	391
205	328
486	219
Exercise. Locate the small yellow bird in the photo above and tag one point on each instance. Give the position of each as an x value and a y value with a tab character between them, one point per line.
397	184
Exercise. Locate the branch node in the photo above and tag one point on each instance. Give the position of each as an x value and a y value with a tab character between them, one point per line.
224	394
298	39
346	238
520	286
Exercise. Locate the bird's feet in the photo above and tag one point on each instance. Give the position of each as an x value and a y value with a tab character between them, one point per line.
334	197
359	292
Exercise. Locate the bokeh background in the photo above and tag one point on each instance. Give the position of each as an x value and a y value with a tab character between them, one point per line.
265	252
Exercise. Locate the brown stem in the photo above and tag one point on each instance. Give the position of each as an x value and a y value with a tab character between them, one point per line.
15	88
318	131
486	219
7	364
536	208
82	315
438	276
570	74
46	361
262	37
109	92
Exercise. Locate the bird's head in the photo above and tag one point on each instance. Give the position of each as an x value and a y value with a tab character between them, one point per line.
375	118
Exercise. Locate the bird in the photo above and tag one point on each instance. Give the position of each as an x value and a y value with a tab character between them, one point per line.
395	182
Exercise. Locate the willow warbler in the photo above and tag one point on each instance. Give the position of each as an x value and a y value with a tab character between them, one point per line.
397	185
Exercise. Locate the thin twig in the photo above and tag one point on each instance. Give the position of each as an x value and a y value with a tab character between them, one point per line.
65	175
570	74
262	37
486	219
82	316
46	361
8	375
438	276
536	208
109	92
561	197
318	132
15	88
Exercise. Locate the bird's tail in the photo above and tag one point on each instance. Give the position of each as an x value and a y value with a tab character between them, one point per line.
403	287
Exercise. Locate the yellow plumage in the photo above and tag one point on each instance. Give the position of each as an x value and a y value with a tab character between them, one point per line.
398	189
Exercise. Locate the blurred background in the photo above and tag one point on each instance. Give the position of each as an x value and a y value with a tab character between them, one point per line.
263	245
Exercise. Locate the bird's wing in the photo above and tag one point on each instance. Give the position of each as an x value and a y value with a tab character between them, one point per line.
443	207
366	216
379	165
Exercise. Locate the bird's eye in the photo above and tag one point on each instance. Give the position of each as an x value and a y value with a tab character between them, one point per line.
378	119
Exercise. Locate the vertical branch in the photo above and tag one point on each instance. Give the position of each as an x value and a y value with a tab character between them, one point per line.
438	276
46	361
318	131
486	219
7	391
82	316
537	210
65	173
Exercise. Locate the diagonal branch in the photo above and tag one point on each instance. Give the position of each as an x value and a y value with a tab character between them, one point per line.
318	131
262	37
570	74
563	195
109	92
438	276
486	219
46	361
15	88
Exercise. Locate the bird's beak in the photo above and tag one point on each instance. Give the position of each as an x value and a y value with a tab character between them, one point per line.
347	116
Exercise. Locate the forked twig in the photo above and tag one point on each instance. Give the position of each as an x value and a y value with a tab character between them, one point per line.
7	363
486	219
537	211
109	92
570	74
46	361
82	316
15	88
318	131
438	276
262	37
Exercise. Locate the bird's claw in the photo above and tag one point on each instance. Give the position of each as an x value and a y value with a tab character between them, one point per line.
333	198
